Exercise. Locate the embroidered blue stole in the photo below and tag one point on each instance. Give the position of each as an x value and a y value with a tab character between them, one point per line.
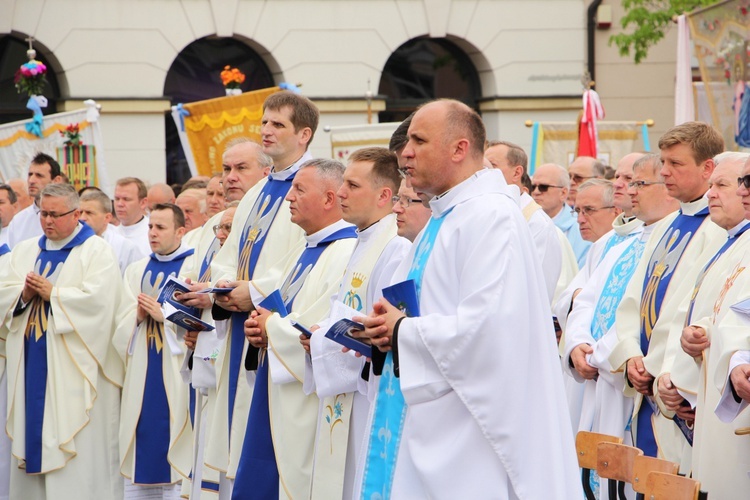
659	273
698	282
152	434
612	242
49	265
257	471
254	233
390	407
614	288
204	274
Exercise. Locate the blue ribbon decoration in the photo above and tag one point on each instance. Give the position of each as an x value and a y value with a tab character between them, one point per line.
183	113
35	127
646	141
534	146
289	86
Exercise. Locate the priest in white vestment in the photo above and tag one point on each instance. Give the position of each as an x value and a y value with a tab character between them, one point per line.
713	332
155	428
589	333
43	170
131	201
672	258
366	195
5	442
253	255
470	426
277	457
96	211
58	295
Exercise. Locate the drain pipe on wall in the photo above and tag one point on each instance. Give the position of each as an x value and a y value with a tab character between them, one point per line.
590	43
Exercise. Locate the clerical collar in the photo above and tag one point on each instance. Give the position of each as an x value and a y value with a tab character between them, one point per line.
315	238
374	229
291	169
624	226
172	256
693	207
57	245
736	229
480	182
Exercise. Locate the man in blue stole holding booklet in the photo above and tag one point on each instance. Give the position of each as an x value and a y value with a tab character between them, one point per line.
58	294
252	256
277	457
480	360
155	428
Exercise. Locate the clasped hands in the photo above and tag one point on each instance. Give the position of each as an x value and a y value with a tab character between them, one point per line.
36	285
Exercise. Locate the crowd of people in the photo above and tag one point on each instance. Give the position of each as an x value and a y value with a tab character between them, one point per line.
546	304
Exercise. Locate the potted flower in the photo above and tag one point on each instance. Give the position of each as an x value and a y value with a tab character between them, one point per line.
232	78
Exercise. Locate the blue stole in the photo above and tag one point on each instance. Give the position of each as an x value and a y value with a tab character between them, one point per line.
204	275
613	241
257	474
49	265
659	272
254	233
614	288
152	433
698	282
390	407
4	249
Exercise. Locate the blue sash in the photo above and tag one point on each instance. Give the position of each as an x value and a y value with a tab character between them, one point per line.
4	249
152	434
390	407
49	265
613	241
257	471
617	281
659	273
204	275
254	233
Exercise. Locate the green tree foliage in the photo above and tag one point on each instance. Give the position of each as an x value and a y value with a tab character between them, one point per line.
651	19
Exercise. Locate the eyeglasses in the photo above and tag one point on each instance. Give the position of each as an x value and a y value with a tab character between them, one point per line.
744	181
227	228
587	211
640	184
53	215
405	200
579	178
542	187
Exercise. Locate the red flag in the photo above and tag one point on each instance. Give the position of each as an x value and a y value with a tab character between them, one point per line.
587	136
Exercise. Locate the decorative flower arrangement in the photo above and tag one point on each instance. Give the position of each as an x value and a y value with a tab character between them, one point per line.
232	77
30	78
72	134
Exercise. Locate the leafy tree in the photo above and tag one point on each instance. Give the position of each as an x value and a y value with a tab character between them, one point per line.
652	19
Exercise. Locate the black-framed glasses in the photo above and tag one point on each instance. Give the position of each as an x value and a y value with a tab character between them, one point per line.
744	181
43	214
587	211
405	200
641	184
543	188
226	227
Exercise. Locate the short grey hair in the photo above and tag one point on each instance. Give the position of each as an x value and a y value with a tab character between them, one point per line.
330	170
59	190
264	160
608	191
198	194
562	174
100	197
651	160
732	156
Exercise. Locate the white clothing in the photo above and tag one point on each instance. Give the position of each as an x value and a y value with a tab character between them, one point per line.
24	225
125	251
138	234
546	242
481	361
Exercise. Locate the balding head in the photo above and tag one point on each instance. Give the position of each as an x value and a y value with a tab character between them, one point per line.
550	188
159	193
193	205
724	202
582	169
623	175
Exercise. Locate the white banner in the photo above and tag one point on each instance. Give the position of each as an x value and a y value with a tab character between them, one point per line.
346	140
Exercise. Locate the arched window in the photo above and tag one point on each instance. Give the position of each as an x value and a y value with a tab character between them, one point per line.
12	56
194	76
423	69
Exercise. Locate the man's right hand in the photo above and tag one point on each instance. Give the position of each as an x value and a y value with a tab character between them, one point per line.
739	376
192	299
694	340
638	376
578	357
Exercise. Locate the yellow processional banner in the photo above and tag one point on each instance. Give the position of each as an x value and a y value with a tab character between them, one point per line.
213	123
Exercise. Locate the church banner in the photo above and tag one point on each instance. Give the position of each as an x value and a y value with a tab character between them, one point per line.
205	127
558	141
346	140
18	147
